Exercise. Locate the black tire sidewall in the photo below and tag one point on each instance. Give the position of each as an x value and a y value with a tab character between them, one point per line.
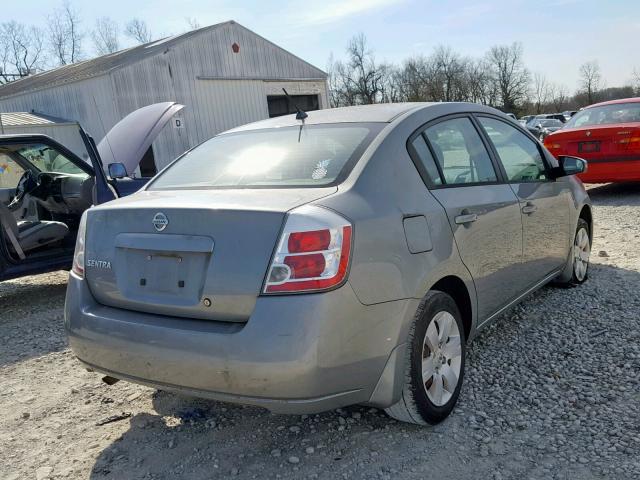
435	303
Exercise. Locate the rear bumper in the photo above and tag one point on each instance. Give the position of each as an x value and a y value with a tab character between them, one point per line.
296	354
611	170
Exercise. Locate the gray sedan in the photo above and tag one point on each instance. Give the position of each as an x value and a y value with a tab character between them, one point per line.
345	258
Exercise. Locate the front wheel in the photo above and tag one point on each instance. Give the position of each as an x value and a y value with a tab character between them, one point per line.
435	363
581	252
579	258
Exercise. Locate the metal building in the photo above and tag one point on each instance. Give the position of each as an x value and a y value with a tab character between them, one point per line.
225	75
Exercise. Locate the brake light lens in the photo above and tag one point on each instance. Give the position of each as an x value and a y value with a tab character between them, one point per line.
313	252
78	255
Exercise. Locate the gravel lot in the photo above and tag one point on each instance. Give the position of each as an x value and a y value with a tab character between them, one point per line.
552	390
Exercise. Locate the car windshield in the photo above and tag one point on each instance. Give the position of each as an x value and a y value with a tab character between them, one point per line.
551	123
606	114
299	156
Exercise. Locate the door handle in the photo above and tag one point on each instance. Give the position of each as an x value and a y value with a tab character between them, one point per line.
529	208
466	218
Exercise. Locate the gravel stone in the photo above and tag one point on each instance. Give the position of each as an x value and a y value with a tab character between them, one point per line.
551	391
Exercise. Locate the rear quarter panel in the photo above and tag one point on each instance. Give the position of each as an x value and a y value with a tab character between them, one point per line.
383	190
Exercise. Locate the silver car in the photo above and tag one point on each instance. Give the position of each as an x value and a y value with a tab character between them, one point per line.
345	258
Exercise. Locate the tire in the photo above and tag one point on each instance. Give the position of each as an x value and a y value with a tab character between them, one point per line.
578	272
430	399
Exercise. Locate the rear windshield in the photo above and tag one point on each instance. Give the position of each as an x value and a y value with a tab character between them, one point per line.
605	115
307	156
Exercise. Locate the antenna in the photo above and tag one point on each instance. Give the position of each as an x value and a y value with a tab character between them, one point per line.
301	114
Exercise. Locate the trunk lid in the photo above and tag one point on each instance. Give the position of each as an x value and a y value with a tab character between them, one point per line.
196	254
598	141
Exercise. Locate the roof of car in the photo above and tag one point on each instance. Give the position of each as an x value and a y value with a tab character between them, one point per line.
613	102
378	113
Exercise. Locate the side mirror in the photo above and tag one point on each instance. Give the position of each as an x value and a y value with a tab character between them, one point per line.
117	170
569	166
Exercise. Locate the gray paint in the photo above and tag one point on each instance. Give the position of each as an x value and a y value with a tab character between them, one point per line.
311	352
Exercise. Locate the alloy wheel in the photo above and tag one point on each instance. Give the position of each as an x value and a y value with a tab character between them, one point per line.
441	358
581	251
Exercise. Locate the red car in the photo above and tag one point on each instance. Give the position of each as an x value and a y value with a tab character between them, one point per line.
607	135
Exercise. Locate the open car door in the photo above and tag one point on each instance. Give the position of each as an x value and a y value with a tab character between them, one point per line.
126	143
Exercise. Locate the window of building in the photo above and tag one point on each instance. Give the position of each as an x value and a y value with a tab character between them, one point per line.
281	105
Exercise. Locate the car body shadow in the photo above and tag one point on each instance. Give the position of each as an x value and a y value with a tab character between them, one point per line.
182	437
613	194
31	316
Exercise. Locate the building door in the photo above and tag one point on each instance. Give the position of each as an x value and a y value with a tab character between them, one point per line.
281	105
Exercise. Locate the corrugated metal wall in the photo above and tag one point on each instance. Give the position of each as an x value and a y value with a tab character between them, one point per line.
219	88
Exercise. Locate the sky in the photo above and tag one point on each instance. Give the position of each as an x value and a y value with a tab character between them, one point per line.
557	35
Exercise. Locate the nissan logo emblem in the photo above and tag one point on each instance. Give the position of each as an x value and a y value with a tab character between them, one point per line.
160	221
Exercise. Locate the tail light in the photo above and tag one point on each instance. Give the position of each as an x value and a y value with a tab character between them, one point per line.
312	254
78	255
629	143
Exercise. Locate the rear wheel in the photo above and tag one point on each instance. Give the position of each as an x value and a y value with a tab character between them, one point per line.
435	363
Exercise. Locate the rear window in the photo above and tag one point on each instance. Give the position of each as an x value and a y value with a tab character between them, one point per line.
605	115
307	156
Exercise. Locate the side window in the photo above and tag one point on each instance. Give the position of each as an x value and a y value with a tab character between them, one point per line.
519	154
460	152
47	159
426	159
10	171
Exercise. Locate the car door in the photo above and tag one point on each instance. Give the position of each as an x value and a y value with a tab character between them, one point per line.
483	212
544	202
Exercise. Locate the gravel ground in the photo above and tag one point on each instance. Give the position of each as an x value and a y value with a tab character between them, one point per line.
552	391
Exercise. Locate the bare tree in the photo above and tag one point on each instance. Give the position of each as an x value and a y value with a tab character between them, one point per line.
412	79
193	23
21	51
480	88
138	30
590	80
540	92
65	34
105	36
509	74
559	95
636	80
360	80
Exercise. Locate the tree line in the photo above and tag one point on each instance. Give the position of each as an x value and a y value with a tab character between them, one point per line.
66	39
499	79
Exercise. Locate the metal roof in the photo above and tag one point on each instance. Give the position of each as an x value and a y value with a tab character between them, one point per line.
19	119
381	112
107	63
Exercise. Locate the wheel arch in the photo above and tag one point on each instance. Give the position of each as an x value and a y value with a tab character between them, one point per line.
456	288
587	215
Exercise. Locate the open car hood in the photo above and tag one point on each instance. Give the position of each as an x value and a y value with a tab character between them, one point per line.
130	138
